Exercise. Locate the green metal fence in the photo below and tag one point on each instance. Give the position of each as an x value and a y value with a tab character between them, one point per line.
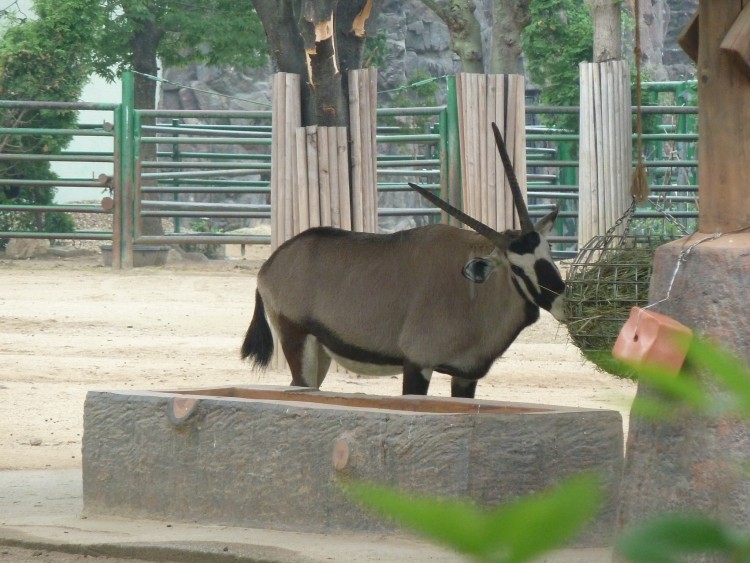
205	175
20	217
670	151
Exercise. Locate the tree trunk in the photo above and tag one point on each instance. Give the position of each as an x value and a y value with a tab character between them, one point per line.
464	30
654	18
509	19
607	20
321	40
144	42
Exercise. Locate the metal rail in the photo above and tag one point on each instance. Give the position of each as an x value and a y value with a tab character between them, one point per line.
190	160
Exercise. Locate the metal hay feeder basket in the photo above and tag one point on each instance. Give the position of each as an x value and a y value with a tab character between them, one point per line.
610	275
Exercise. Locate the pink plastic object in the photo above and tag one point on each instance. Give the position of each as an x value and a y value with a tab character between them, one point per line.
652	339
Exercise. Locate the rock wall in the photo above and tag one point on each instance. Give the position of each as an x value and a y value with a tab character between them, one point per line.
416	39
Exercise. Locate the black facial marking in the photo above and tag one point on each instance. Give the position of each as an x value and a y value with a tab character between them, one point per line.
548	277
549	280
526	244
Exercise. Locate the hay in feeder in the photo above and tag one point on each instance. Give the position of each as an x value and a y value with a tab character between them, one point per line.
610	276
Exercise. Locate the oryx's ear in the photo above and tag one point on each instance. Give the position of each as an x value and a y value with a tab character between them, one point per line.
545	224
478	269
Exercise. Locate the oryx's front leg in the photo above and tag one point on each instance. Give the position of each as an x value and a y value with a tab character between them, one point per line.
416	379
461	387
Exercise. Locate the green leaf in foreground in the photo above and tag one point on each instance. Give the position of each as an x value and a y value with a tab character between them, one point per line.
667	538
512	533
708	369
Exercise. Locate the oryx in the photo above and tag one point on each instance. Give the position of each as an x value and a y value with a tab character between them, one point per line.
433	298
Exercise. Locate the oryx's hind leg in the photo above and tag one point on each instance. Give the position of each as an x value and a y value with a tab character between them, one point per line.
307	359
319	359
293	342
416	379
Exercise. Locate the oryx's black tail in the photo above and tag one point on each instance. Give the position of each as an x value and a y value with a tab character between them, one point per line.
258	343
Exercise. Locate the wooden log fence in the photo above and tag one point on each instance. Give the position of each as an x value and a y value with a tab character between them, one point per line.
315	181
483	99
605	152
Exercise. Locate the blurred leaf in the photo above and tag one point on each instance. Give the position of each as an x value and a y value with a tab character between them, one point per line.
682	387
513	533
727	370
665	538
539	523
716	367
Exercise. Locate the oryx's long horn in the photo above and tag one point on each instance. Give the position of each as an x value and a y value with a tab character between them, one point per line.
515	188
497	238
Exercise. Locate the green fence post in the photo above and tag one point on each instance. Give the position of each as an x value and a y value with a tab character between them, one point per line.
568	177
177	157
443	156
137	196
453	148
127	176
116	187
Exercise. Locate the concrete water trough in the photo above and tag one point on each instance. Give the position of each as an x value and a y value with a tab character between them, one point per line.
276	457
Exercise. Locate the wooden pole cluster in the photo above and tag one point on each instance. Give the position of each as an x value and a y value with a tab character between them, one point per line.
314	182
604	175
483	99
321	194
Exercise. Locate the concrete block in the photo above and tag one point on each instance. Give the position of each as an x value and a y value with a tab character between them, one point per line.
690	461
276	457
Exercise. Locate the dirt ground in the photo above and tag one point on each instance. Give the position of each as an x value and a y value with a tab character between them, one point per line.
69	325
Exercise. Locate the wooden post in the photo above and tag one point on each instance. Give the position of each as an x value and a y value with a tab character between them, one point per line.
483	99
362	106
345	198
723	117
313	187
286	115
605	161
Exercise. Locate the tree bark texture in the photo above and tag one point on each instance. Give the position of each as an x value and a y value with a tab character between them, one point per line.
607	19
321	40
509	19
654	23
464	30
144	43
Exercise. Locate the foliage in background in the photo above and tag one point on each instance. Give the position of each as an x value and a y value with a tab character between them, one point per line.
420	90
376	52
44	59
532	525
559	37
213	32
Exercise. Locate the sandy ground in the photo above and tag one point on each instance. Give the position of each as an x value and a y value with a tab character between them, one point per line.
69	325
